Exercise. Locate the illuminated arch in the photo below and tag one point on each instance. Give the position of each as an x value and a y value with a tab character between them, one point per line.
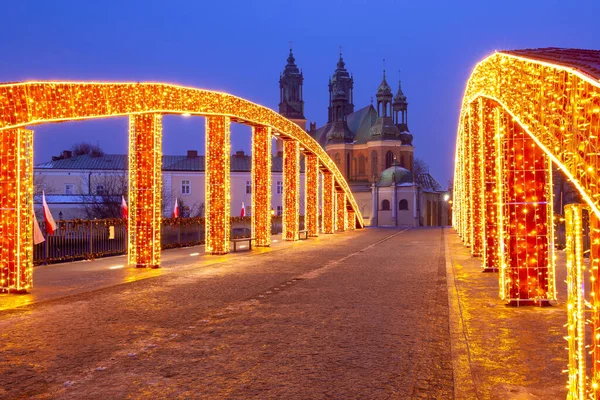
32	103
523	111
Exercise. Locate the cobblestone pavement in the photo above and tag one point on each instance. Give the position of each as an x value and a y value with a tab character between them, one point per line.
358	315
503	352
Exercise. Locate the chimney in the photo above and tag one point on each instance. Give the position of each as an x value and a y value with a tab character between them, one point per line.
192	153
239	153
67	154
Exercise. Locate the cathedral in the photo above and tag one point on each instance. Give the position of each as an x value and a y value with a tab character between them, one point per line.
372	147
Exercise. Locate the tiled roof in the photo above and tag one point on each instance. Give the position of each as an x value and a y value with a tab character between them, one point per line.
118	162
359	122
586	61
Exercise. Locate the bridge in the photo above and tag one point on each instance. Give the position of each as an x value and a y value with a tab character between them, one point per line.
524	111
32	103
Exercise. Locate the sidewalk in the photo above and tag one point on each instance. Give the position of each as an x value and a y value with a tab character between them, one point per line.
500	352
66	279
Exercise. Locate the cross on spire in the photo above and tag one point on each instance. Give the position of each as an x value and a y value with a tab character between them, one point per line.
290	42
340	51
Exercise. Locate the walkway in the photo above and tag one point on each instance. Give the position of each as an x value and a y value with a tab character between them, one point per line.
361	314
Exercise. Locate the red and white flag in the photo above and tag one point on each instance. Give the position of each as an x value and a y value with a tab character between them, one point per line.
38	237
50	224
176	209
124	209
243	210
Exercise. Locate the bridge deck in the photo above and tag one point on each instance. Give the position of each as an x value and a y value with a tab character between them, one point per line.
363	314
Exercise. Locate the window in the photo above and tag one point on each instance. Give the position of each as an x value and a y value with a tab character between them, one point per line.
361	165
385	205
279	187
69	188
185	187
100	190
402	161
403	205
337	158
374	167
348	166
279	210
389	159
248	187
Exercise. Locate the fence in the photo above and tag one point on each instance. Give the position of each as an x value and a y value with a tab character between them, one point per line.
89	239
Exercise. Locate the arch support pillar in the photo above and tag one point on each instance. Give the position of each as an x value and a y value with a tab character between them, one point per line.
16	210
328	202
527	275
476	183
261	185
351	220
492	192
218	185
341	211
311	214
145	190
291	190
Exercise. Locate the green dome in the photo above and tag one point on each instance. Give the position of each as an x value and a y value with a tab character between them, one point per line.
395	174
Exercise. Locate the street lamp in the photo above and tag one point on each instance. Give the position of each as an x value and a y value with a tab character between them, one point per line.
446	197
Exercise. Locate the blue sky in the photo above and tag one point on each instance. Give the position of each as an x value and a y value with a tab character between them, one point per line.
241	46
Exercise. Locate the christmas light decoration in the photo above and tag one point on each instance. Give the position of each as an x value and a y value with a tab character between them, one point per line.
16	210
218	185
340	207
575	302
145	190
328	203
351	221
31	103
311	192
291	190
261	185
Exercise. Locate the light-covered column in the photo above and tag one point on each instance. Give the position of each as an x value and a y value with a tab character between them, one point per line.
476	190
311	190
328	202
145	190
291	190
351	221
16	210
340	211
218	185
261	185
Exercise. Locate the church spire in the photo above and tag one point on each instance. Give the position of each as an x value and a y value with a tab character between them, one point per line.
291	103
341	97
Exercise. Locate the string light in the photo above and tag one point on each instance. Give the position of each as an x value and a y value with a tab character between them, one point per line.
31	103
291	190
16	205
145	190
328	203
218	185
261	185
340	207
311	204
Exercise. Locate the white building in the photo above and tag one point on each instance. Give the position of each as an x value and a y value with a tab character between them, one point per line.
73	184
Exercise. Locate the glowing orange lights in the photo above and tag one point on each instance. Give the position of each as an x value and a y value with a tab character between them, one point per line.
261	185
291	190
341	214
311	204
145	190
16	205
328	203
218	185
31	103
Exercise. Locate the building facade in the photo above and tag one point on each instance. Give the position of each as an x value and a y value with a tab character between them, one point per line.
369	146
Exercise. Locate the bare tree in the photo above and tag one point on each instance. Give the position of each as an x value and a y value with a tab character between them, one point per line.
104	198
84	148
42	183
420	167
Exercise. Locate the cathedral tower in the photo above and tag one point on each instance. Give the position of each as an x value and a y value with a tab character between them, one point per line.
341	98
291	103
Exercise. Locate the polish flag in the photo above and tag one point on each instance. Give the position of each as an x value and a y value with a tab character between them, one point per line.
124	210
50	224
176	210
38	237
243	210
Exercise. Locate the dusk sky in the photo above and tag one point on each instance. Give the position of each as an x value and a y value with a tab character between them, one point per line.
240	47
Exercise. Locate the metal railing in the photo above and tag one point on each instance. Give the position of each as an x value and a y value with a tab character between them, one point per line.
88	239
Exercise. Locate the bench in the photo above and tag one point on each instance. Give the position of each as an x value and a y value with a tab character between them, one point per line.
236	241
303	232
